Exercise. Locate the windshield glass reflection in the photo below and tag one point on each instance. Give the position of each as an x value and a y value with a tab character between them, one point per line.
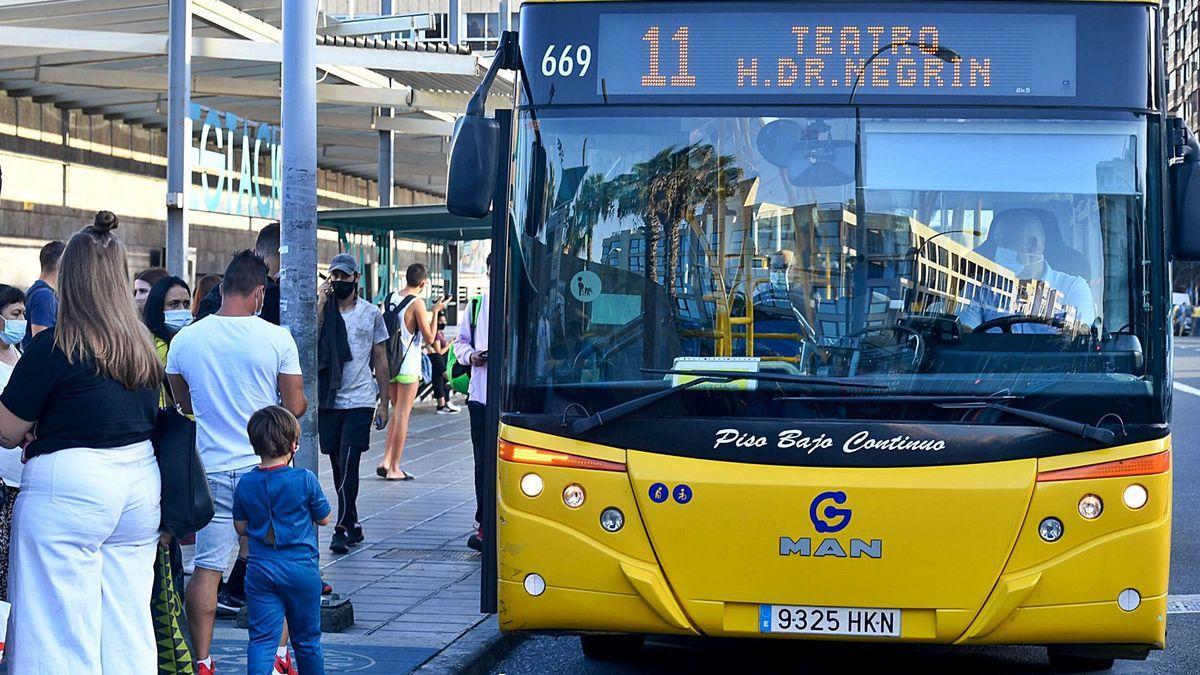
972	256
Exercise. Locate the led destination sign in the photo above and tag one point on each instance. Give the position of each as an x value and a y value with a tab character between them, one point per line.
937	54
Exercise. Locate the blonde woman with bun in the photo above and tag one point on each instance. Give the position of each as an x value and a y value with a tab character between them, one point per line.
82	402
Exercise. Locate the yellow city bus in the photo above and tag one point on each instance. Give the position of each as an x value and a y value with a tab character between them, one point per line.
834	321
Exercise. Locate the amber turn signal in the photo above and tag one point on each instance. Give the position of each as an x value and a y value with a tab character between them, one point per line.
523	454
1134	466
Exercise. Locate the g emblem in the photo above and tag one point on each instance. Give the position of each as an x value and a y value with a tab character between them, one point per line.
831	518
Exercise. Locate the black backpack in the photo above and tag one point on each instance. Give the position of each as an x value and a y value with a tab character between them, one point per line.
393	317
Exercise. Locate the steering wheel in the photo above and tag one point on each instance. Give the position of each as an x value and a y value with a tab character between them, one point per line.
1005	323
892	351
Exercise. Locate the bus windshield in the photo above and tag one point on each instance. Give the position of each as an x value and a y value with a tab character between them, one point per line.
936	255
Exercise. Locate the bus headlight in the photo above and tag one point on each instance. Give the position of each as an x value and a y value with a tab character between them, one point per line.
1129	599
611	519
1090	507
531	484
1050	529
1135	496
535	585
573	495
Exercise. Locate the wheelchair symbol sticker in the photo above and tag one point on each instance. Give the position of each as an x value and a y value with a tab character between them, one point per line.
683	494
659	493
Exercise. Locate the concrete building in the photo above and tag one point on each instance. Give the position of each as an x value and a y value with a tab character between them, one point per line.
62	165
481	22
84	127
1181	38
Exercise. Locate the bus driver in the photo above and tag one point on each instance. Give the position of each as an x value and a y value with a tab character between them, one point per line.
1022	241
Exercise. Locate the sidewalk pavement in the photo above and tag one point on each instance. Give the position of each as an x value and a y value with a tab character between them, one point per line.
413	583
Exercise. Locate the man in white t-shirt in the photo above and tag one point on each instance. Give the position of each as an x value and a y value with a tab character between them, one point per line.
223	369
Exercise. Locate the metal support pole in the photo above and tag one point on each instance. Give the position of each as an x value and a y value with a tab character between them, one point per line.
298	233
505	16
387	161
387	181
455	21
179	135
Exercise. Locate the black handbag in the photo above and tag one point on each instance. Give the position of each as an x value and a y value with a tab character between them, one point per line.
187	504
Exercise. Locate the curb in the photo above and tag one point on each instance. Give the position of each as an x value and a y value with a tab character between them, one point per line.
474	652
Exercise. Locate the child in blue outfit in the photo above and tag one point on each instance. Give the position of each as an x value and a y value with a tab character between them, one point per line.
277	506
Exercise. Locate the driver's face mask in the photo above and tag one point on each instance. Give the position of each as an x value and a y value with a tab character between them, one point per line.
779	277
1021	248
1016	260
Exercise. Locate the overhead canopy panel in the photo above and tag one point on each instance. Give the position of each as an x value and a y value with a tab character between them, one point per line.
430	223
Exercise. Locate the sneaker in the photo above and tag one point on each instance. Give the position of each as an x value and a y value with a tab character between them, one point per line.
228	604
355	536
445	410
284	665
202	669
452	408
326	589
475	541
339	543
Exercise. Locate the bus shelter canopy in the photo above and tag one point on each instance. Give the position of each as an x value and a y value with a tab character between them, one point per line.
429	223
109	58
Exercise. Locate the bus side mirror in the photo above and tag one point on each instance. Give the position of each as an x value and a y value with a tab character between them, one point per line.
475	148
1185	191
474	152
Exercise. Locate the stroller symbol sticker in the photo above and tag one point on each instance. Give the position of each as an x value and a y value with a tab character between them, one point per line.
585	285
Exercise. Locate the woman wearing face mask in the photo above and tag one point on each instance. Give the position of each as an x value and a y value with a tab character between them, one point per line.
12	330
167	311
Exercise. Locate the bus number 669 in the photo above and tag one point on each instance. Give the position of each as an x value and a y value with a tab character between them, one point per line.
564	63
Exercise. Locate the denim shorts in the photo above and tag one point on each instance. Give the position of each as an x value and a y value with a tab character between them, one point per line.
218	541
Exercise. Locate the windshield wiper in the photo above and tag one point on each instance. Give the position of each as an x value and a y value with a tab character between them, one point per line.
620	410
903	398
1054	422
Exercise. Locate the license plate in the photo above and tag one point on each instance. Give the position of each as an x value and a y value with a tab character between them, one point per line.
829	620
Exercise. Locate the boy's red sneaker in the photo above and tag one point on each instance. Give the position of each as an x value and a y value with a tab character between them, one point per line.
204	669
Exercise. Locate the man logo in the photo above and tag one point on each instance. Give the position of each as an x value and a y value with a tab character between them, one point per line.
829	518
835	519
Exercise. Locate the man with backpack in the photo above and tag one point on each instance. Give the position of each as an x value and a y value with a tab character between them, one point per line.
470	349
410	327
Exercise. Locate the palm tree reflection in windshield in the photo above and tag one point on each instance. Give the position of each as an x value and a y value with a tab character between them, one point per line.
667	193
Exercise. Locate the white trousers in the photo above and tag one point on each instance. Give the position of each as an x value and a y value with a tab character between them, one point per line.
81	572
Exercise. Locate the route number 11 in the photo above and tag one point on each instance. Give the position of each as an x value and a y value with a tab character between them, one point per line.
654	78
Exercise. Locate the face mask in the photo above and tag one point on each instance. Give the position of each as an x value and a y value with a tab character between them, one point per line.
1015	260
344	289
779	277
176	319
14	331
261	301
